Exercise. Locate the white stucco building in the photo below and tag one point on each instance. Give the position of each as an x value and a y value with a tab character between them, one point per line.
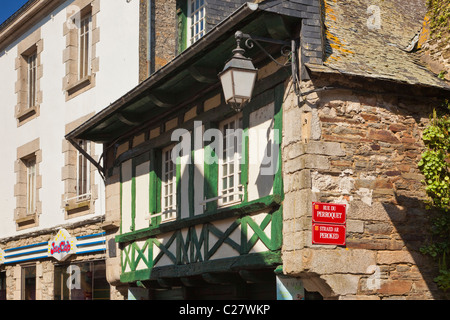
60	61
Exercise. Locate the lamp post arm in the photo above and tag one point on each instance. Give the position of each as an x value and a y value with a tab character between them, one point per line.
251	40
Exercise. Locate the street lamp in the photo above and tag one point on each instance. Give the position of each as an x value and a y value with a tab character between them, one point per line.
239	76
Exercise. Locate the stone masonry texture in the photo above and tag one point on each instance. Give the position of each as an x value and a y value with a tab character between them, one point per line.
359	147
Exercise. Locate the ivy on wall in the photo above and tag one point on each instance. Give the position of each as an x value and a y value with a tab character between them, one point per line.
435	166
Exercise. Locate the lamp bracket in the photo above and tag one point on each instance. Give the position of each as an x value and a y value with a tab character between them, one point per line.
288	49
250	41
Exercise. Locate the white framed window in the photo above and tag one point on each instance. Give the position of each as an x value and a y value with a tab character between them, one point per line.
196	20
32	79
230	188
84	46
168	186
31	185
83	172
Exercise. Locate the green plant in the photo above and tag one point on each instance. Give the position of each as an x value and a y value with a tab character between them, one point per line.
435	166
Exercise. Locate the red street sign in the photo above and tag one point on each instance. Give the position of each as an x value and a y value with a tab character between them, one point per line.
328	212
328	234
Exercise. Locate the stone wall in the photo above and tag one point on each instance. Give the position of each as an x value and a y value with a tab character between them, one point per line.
164	32
360	148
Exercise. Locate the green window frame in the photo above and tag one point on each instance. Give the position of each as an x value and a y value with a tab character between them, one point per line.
169	203
191	22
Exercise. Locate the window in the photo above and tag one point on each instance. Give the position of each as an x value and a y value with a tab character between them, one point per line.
29	283
196	20
29	74
32	79
84	54
28	184
78	176
230	188
31	185
79	56
168	197
84	281
83	172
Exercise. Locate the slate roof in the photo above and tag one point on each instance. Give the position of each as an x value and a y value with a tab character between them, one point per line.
354	44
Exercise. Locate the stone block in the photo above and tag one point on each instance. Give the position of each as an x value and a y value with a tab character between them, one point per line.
297	181
355	226
307	161
294	150
393	257
323	261
297	204
292	128
360	297
396	287
383	135
325	148
343	284
358	210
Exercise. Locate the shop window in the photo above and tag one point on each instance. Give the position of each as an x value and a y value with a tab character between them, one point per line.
29	283
83	281
2	285
230	187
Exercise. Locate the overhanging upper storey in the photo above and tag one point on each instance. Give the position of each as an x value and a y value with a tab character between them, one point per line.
191	74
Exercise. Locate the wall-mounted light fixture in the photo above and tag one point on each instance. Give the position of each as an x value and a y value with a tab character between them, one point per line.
239	76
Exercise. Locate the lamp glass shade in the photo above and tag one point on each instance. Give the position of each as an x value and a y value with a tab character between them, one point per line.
238	84
227	84
244	82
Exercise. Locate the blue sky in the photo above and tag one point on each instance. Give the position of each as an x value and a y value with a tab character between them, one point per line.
8	7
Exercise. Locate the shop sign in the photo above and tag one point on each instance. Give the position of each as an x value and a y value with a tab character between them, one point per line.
329	213
2	257
289	288
62	246
328	234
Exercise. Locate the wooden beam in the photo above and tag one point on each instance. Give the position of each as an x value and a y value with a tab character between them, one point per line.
196	281
161	102
257	276
169	282
203	75
125	119
222	278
